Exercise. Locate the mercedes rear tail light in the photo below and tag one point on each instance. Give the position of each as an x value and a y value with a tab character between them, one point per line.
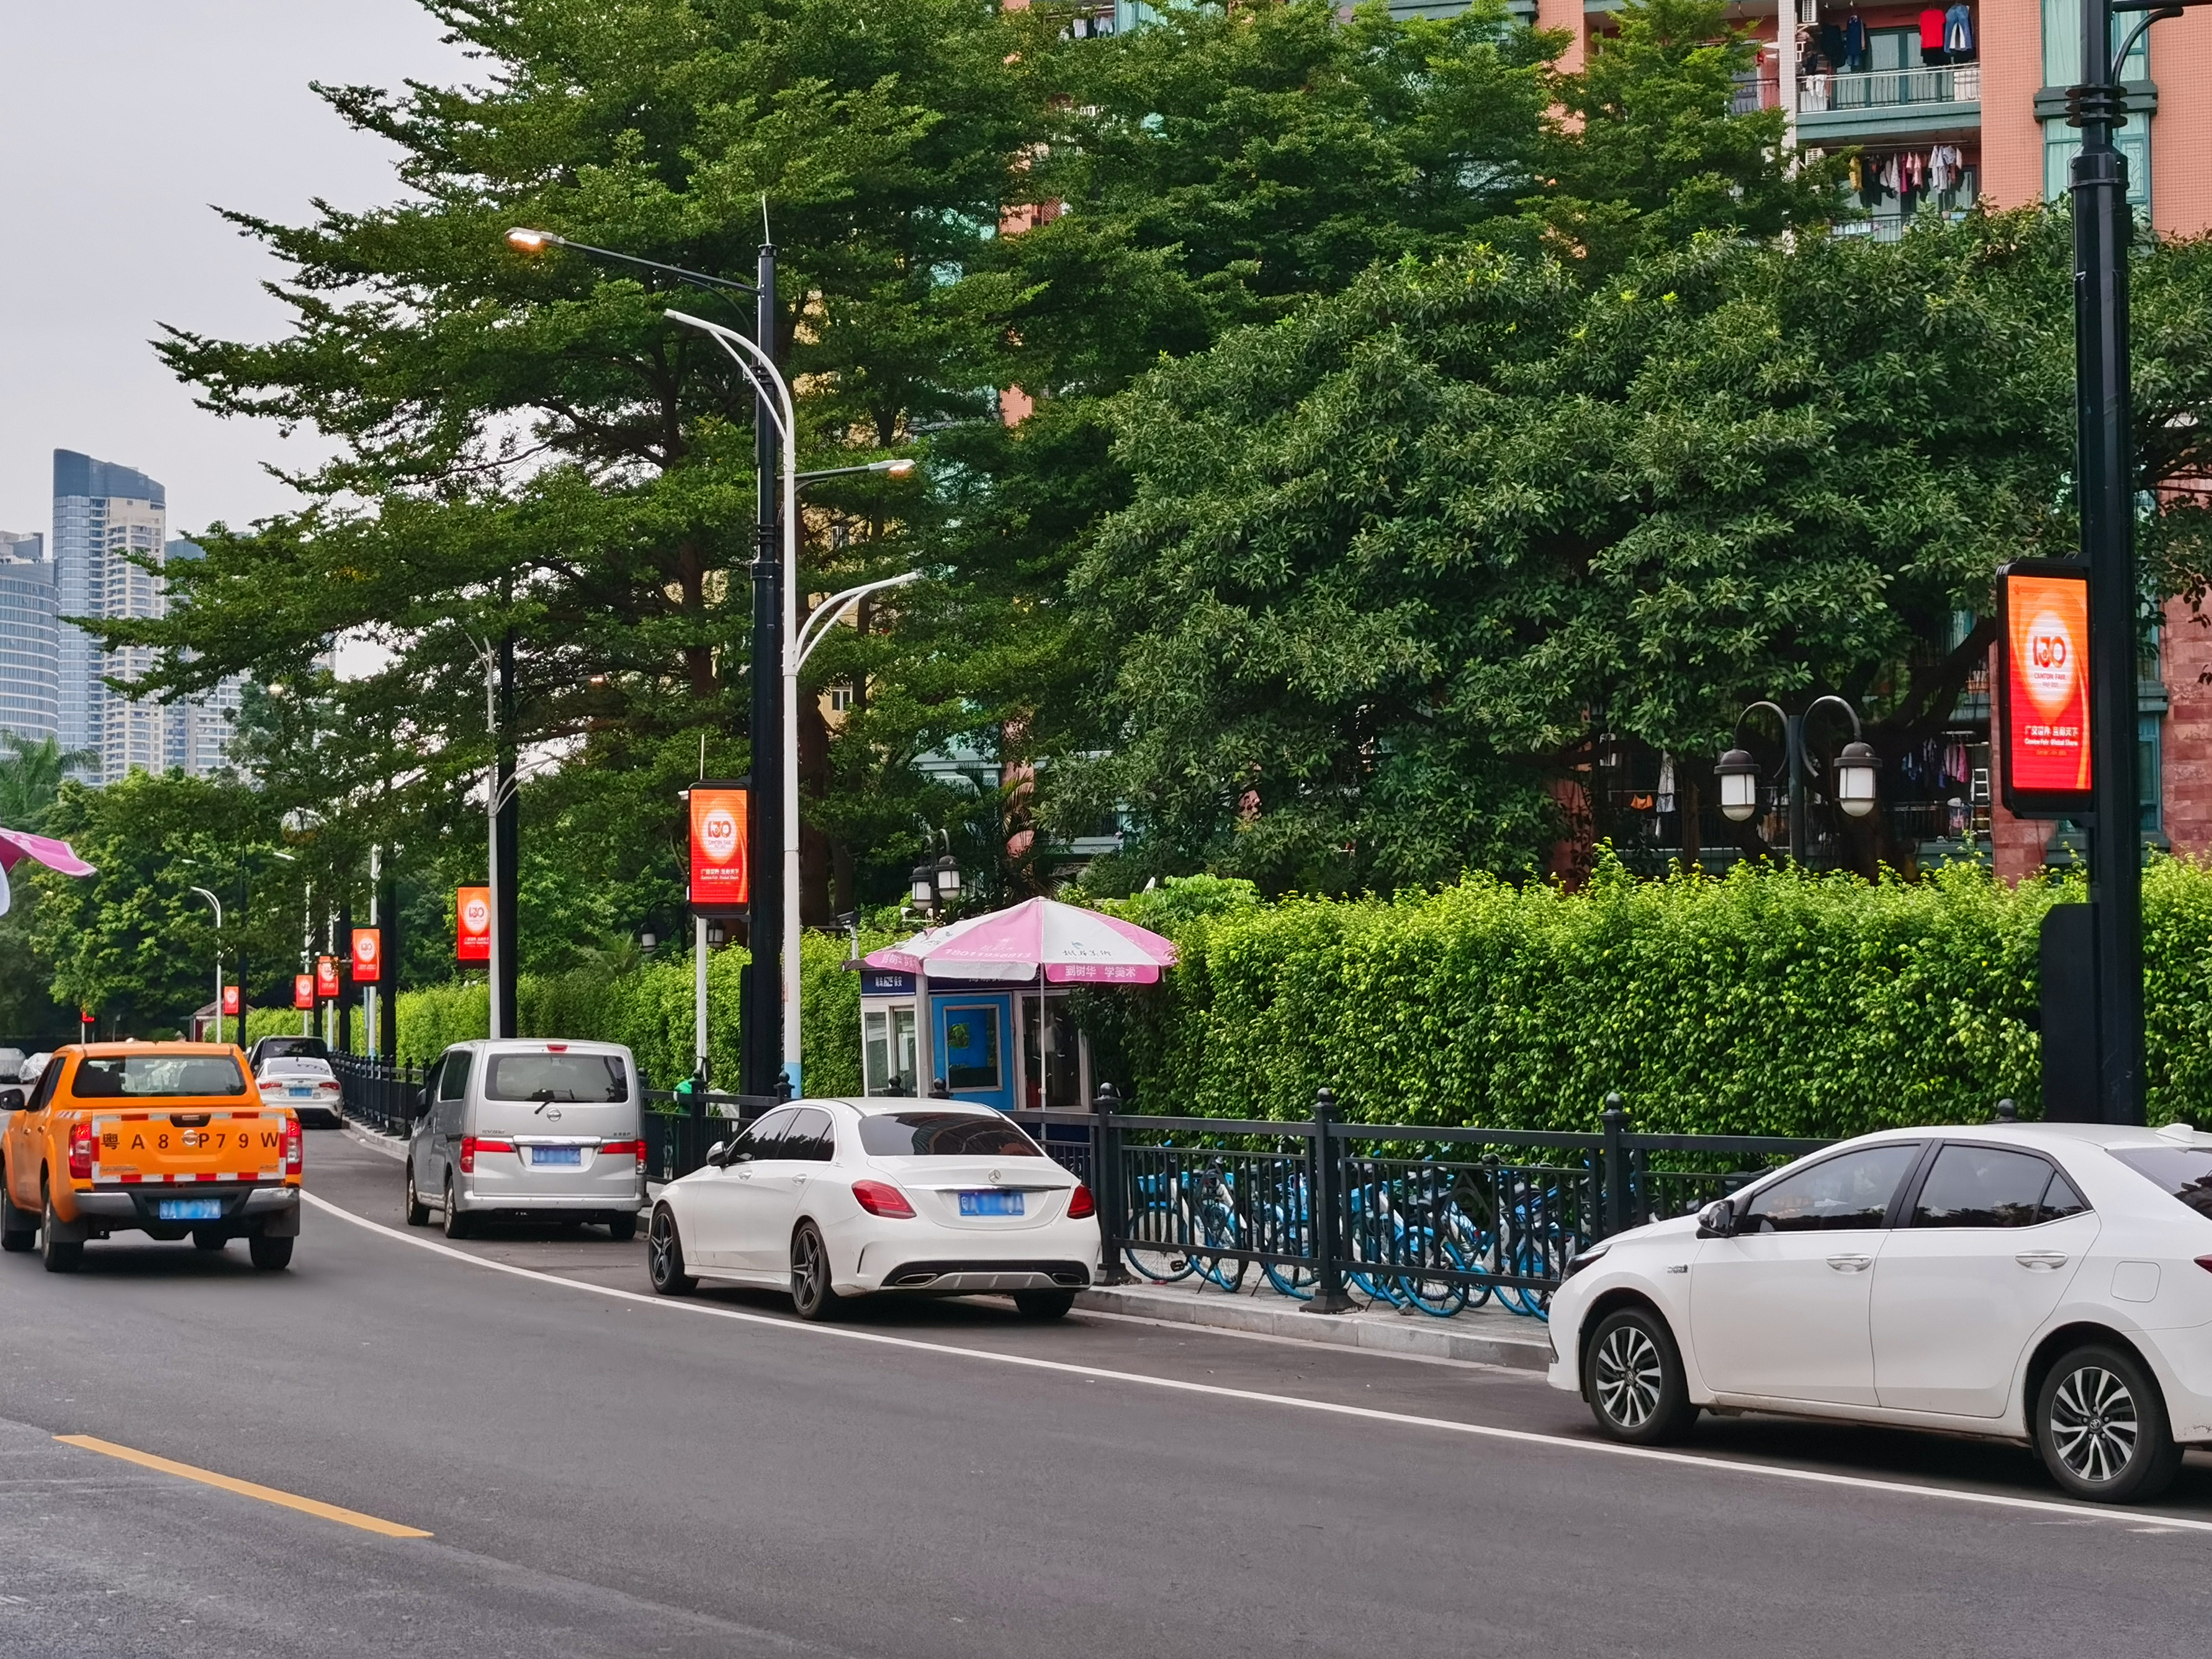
1080	1203
881	1198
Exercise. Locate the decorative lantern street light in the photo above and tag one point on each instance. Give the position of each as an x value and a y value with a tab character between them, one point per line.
1855	768
1739	776
924	888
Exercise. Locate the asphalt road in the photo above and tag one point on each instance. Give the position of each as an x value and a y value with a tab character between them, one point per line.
602	1473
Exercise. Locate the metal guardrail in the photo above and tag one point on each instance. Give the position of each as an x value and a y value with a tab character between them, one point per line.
1432	1217
1958	83
679	1128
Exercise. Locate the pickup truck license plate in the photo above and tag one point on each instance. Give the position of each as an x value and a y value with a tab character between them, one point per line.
543	1157
990	1204
191	1209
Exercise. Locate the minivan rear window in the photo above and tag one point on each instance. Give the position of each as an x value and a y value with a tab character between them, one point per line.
2184	1171
156	1077
586	1079
943	1134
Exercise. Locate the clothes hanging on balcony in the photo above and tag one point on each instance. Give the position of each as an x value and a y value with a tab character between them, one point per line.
1832	47
1958	29
1666	790
1946	164
1931	30
1855	44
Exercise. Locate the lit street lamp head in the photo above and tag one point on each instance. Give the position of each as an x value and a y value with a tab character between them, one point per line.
1855	769
1739	776
525	241
901	468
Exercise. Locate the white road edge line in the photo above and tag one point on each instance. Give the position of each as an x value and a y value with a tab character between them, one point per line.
1403	1420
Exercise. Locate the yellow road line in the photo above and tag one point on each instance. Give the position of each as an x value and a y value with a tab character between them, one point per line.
244	1488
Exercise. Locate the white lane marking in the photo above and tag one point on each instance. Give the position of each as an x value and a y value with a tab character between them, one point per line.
1368	1413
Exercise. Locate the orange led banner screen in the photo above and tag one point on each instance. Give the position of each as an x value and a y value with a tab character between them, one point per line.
230	998
720	881
367	956
303	990
472	924
326	977
2043	688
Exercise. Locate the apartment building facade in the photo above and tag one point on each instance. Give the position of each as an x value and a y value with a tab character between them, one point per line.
110	548
30	638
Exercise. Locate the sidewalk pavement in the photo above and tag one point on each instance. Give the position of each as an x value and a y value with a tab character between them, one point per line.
1487	1336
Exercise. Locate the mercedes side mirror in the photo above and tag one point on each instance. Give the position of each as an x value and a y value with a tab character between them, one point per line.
719	1153
1716	1220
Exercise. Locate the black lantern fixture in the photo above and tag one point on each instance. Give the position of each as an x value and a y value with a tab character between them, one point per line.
1855	766
717	936
646	941
923	890
1739	776
948	879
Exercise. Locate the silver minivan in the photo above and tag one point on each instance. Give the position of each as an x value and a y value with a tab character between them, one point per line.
528	1130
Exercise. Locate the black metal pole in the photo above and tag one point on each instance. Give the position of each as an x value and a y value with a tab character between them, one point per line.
345	973
387	919
761	1012
2103	228
1793	739
1327	1198
506	851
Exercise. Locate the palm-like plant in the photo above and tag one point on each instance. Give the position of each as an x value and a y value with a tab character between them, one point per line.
31	778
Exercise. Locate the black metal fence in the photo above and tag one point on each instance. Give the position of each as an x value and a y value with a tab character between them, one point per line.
678	1128
1429	1217
1432	1217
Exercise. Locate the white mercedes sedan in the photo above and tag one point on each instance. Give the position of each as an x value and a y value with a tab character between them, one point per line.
835	1198
2048	1283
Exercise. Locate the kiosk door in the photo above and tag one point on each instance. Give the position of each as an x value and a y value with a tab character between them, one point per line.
975	1047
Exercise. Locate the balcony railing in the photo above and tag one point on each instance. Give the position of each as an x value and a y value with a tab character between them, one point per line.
1890	88
1752	96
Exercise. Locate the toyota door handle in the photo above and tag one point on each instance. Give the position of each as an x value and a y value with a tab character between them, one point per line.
1850	1264
2045	1259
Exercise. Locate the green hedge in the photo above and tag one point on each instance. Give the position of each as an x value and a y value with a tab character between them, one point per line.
1766	1002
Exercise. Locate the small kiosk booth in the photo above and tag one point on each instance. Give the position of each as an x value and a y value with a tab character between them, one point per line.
998	1030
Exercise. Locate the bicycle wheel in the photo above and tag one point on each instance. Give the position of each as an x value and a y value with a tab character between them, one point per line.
1440	1298
1477	1254
1217	1228
1281	1234
1167	1260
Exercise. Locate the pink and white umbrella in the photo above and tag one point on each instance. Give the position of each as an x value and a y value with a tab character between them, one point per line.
16	845
1065	944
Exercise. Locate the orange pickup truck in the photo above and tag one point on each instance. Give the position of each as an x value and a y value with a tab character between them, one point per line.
170	1138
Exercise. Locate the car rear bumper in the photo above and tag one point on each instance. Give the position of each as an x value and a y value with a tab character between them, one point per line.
271	1209
901	1256
621	1202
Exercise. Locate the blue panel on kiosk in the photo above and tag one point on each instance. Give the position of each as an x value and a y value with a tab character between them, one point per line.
974	1045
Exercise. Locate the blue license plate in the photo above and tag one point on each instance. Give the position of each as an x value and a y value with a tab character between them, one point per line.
190	1209
301	1089
543	1157
990	1203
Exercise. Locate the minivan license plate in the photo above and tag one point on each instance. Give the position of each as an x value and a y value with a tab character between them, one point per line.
546	1157
191	1209
990	1203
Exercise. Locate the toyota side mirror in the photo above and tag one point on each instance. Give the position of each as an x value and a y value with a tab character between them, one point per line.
719	1153
1716	1220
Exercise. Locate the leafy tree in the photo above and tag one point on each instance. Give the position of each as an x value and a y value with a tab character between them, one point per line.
531	447
30	780
1388	566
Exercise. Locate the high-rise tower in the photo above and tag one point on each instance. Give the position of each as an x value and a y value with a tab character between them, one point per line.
29	637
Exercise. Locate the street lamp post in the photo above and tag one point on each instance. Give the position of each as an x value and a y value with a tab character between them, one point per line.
1855	766
2105	439
217	903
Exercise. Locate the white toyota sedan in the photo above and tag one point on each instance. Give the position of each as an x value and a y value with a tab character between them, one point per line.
835	1198
2049	1284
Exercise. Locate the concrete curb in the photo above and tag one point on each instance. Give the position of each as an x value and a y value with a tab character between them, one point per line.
395	1149
1430	1339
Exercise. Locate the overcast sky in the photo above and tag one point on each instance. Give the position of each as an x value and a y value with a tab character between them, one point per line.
120	122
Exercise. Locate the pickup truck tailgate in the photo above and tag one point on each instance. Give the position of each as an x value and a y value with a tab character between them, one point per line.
135	1147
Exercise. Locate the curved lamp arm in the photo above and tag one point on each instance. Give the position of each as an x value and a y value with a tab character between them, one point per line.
818	625
1816	704
215	902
